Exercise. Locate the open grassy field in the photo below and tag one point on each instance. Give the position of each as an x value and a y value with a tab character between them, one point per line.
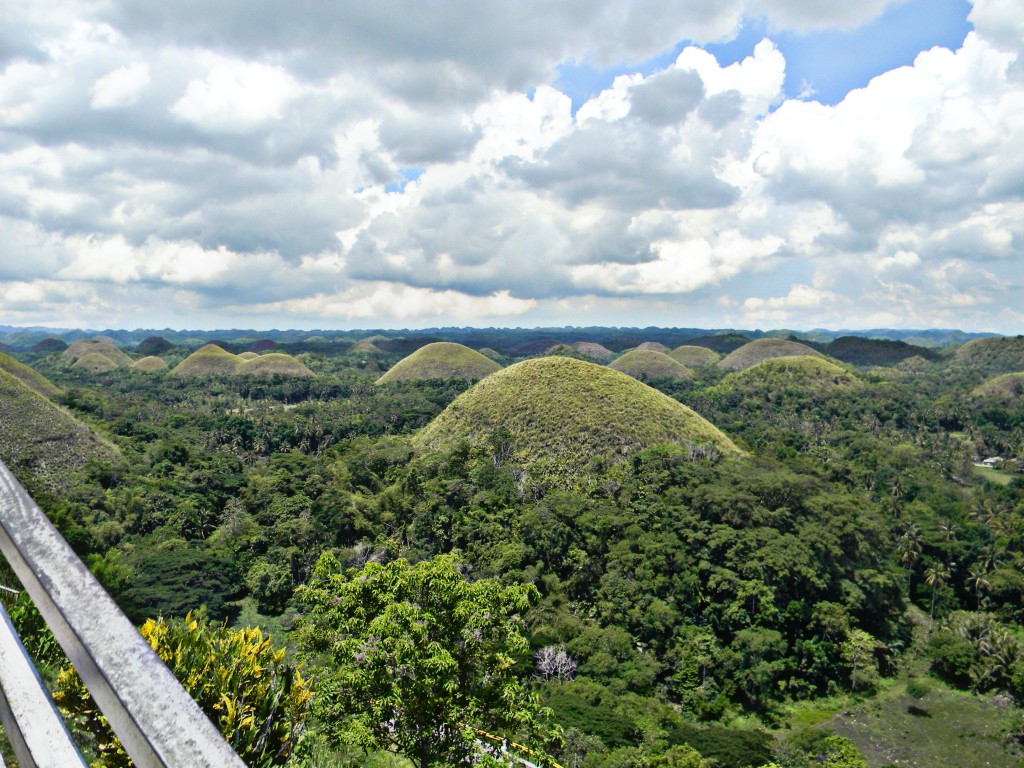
942	728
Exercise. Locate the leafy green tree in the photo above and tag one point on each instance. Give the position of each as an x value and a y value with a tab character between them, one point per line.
238	678
417	658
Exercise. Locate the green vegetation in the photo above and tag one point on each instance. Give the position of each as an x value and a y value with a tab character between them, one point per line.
763	349
562	420
423	660
653	346
441	360
694	357
688	603
1007	389
861	351
992	356
783	377
239	679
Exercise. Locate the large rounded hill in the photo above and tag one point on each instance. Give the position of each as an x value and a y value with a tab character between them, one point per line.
211	360
649	364
760	350
441	360
1005	390
43	444
560	420
694	357
992	355
802	374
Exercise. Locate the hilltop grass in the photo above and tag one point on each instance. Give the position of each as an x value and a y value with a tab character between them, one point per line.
806	374
764	349
42	442
992	355
1005	389
564	420
649	364
441	360
694	357
273	364
594	350
84	347
211	360
94	362
150	364
34	381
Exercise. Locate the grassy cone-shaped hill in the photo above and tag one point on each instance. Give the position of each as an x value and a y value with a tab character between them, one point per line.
94	362
594	350
559	418
804	374
1007	389
654	346
999	355
647	365
760	350
41	442
694	357
273	363
154	345
84	347
247	355
149	364
441	360
209	360
34	381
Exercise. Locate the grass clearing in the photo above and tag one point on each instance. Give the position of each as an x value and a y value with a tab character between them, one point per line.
942	728
993	475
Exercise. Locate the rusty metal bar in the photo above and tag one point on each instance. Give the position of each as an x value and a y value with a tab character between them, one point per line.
157	721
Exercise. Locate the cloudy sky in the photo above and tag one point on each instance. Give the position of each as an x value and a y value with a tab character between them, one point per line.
411	163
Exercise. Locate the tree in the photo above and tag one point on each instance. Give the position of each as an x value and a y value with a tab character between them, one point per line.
935	577
238	678
416	657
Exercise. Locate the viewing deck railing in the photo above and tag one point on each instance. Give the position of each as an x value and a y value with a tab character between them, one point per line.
157	721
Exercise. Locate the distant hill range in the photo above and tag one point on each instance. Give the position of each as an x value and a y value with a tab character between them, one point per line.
510	341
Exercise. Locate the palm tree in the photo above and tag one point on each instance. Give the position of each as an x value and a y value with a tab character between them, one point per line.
935	577
978	581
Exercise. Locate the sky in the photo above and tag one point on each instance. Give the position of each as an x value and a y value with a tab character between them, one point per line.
403	164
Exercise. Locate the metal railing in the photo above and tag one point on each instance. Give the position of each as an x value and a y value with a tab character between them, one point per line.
157	721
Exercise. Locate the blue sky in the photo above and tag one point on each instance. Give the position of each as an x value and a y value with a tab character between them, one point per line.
829	62
766	163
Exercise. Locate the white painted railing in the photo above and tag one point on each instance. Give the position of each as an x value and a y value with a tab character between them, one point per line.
157	721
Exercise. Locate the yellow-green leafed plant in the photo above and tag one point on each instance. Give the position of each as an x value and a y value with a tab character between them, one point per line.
238	678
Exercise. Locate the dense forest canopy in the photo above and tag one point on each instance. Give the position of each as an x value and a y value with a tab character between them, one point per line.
688	563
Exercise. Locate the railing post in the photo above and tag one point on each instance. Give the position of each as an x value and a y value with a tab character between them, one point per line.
157	721
35	729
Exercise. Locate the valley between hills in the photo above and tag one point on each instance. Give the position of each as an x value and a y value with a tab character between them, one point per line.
609	547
